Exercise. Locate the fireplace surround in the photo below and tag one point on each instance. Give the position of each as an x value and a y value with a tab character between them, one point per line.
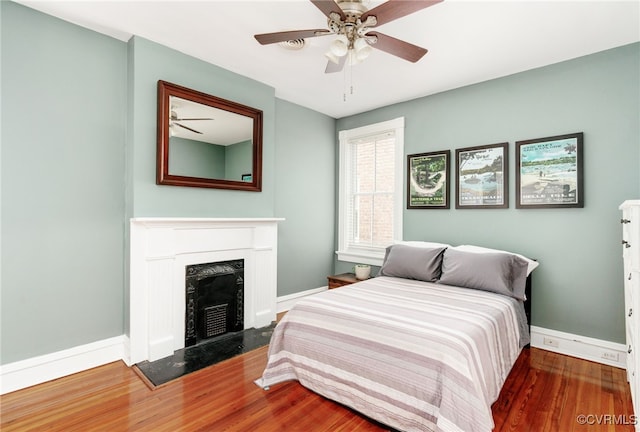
160	251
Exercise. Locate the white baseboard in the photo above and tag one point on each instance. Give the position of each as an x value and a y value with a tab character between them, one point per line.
36	370
586	348
285	303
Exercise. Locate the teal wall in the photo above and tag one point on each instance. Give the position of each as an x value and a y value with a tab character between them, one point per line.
63	130
305	181
150	62
578	287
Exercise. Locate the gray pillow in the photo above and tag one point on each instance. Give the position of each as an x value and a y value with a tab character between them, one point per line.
419	263
496	272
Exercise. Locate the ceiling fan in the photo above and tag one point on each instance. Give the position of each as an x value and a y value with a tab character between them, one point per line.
174	119
350	21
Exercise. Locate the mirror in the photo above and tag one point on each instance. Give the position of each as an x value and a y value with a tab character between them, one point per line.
206	141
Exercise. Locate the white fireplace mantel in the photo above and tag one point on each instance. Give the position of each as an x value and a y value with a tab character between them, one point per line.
160	250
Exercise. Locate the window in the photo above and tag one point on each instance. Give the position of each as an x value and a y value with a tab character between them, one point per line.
370	191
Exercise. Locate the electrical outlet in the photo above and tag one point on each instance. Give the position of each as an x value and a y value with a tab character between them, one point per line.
608	355
551	342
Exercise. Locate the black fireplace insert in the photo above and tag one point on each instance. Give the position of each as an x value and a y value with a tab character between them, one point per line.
214	300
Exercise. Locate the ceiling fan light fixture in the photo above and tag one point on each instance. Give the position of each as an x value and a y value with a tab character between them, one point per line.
362	49
332	57
339	46
353	58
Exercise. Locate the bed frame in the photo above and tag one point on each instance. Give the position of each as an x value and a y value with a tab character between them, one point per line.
527	304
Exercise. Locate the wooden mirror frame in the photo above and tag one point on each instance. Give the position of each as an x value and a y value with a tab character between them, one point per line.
163	177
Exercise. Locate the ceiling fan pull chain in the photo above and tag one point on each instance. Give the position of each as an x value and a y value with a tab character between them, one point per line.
347	81
351	79
344	85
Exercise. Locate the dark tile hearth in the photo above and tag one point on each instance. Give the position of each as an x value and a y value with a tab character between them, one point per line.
205	354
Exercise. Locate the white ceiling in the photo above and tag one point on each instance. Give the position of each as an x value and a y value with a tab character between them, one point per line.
469	41
237	128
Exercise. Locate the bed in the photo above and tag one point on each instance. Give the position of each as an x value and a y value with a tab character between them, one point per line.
424	346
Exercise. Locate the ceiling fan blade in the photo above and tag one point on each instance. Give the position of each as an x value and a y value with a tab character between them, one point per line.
187	128
269	38
328	6
397	47
336	67
394	9
189	119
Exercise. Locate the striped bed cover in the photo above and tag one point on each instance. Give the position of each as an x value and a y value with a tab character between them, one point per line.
416	356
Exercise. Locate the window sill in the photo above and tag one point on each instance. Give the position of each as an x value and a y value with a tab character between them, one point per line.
361	257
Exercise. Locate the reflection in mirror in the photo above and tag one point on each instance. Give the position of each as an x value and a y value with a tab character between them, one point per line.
199	147
205	141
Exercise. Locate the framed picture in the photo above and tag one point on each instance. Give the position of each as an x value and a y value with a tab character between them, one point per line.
247	177
428	180
482	177
549	172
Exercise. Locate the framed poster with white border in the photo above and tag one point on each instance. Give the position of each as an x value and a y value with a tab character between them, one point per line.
482	177
549	172
428	180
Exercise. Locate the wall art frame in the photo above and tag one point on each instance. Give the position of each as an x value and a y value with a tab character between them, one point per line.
428	177
482	177
549	172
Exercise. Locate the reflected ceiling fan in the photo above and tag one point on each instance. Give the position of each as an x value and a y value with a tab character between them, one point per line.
350	21
174	119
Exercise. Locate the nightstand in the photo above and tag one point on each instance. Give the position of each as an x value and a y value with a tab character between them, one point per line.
343	279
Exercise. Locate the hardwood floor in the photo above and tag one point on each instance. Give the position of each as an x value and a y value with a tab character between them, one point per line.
544	392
